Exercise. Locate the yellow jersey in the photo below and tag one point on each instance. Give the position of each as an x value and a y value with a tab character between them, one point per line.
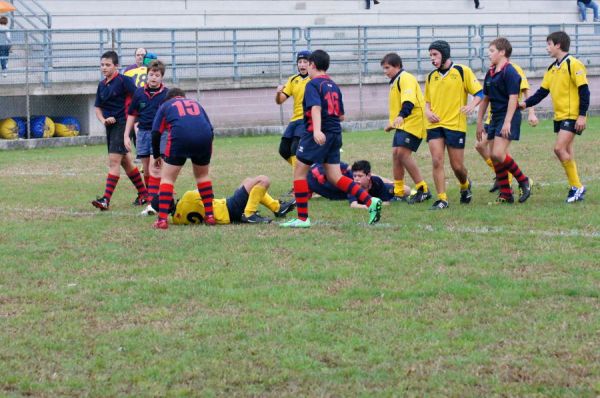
190	210
524	86
294	87
405	87
139	75
447	93
563	79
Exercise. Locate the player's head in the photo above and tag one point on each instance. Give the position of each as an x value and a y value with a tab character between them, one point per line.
302	61
175	92
318	61
557	42
3	20
109	62
156	73
391	64
361	173
498	50
140	53
439	53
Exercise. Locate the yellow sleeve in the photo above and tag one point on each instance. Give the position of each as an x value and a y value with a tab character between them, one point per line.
427	99
546	81
287	88
471	83
578	73
408	90
524	81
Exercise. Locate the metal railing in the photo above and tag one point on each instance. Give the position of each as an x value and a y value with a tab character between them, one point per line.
60	56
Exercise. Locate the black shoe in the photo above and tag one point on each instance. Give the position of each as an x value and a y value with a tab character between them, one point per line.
495	186
101	203
504	199
139	201
419	197
525	189
466	195
255	218
439	205
404	198
285	208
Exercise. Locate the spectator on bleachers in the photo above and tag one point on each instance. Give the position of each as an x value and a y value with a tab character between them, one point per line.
5	43
583	5
140	53
369	3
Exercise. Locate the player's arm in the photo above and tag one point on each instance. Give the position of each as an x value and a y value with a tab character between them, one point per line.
539	95
531	116
474	88
128	127
432	117
100	117
318	135
280	96
483	105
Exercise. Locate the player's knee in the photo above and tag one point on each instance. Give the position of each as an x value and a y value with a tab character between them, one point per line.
438	162
560	152
263	180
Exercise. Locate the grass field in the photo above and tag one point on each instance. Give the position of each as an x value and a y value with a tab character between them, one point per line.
474	301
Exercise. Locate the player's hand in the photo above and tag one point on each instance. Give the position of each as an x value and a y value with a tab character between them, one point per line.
398	122
280	88
522	105
467	109
319	137
127	142
532	119
109	120
388	128
432	117
580	124
479	132
505	132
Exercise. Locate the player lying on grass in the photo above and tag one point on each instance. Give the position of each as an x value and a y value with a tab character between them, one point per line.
241	206
360	172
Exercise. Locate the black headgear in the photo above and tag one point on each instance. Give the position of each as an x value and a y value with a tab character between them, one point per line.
443	47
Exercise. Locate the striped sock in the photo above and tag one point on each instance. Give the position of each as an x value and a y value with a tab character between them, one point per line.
502	178
136	179
111	184
153	184
352	188
301	195
206	193
513	168
165	197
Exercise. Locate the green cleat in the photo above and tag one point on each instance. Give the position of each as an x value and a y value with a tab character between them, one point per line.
296	223
375	210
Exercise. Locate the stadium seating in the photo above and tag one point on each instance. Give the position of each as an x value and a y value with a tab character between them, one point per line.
68	14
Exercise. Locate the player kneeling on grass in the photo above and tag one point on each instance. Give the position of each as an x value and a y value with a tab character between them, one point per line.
407	120
144	105
321	143
189	135
501	88
242	206
111	97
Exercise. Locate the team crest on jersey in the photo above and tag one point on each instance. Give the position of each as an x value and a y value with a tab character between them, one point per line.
300	149
142	105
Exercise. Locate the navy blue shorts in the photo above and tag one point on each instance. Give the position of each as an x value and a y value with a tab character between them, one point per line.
406	140
567	124
515	127
453	138
198	149
310	152
236	204
143	148
115	138
295	129
486	129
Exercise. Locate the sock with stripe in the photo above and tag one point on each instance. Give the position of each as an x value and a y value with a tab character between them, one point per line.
136	179
352	188
153	184
111	184
301	195
513	168
206	193
398	187
571	169
165	197
502	179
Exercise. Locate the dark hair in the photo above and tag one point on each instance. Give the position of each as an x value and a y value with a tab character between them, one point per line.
113	56
321	60
362	165
392	59
3	20
157	65
502	44
175	92
560	38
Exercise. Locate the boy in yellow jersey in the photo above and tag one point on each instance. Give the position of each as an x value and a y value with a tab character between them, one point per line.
407	118
484	146
242	206
446	92
294	87
566	82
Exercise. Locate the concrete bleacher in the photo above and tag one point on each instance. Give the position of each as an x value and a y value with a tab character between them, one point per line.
255	13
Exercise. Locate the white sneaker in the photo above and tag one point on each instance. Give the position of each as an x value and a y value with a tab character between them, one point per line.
149	211
576	194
